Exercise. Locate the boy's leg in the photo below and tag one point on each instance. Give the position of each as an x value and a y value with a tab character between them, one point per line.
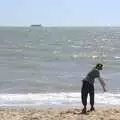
91	92
84	94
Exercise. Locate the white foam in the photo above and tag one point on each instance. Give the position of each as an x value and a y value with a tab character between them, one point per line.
55	98
75	46
117	57
94	56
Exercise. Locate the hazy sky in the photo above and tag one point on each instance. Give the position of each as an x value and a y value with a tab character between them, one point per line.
60	12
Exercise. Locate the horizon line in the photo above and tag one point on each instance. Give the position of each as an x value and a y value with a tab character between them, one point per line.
61	25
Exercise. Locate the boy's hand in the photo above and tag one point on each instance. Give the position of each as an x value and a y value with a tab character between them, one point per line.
104	89
102	84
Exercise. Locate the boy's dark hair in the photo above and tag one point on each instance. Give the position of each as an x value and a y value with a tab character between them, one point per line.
99	66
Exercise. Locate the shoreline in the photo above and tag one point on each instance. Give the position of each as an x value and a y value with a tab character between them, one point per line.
107	112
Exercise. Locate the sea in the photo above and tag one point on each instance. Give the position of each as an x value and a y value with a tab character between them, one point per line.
45	66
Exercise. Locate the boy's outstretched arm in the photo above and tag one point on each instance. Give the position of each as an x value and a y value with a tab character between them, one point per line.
102	84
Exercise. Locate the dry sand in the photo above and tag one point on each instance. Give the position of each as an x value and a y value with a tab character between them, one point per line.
101	113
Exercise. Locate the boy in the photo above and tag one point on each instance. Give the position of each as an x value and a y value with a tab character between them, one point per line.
88	86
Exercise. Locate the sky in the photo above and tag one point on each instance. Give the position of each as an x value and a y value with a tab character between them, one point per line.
60	12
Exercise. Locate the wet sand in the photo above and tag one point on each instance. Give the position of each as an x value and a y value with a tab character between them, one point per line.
101	113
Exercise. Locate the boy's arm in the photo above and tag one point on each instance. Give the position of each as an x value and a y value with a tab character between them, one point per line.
102	83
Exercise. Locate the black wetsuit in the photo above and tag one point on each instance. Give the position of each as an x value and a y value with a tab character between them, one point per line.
88	86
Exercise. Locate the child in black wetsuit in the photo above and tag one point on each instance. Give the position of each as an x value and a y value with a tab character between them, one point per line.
88	86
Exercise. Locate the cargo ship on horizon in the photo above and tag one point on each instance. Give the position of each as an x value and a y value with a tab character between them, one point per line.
36	25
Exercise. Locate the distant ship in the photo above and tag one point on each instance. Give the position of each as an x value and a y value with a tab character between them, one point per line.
36	26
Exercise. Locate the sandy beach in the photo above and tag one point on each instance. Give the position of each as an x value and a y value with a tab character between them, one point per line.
101	113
